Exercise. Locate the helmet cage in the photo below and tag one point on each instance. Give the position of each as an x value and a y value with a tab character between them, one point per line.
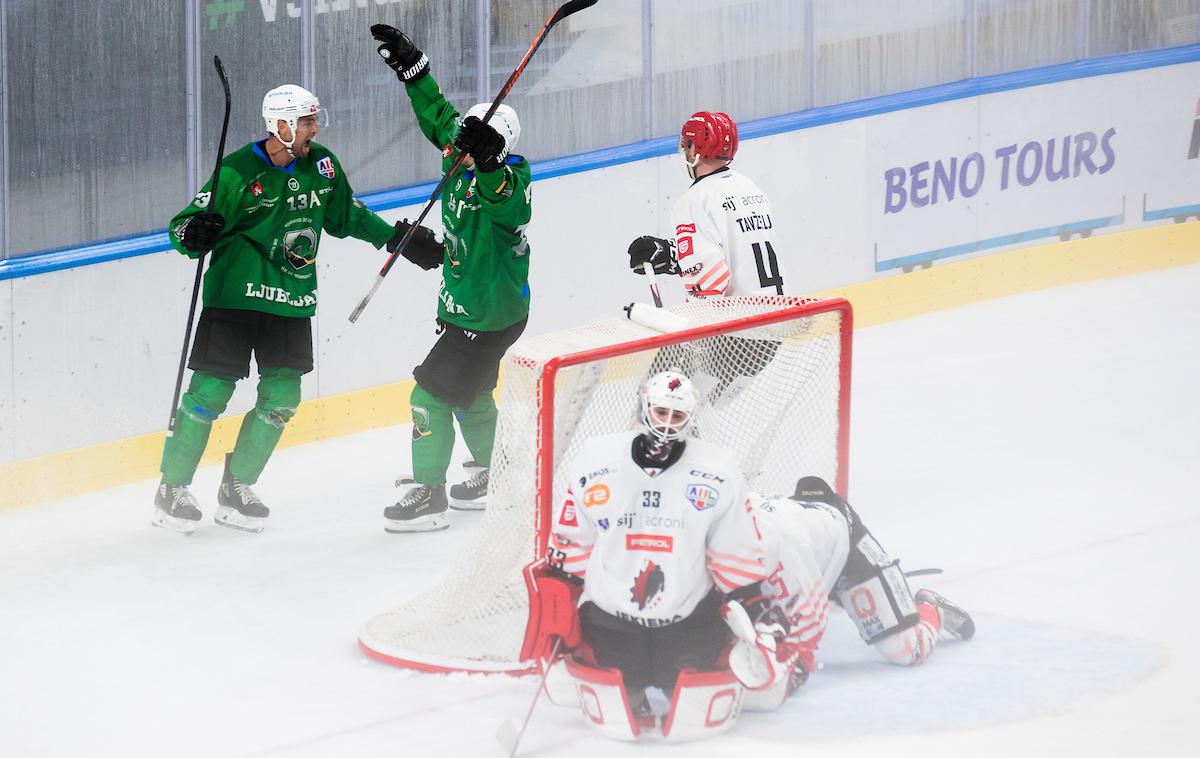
668	405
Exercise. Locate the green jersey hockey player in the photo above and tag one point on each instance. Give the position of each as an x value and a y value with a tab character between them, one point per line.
276	198
484	292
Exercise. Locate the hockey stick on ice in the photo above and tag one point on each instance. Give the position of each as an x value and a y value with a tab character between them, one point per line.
566	9
507	734
923	572
212	199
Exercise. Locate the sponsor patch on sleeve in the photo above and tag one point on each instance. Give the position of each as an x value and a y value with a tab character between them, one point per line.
325	167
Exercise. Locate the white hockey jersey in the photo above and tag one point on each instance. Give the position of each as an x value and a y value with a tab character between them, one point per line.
649	548
724	229
807	547
806	552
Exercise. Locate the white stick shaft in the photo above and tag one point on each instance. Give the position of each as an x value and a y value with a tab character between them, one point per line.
648	270
508	740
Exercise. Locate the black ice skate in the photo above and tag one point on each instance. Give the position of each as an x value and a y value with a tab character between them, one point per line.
955	621
405	480
175	509
471	495
239	507
422	509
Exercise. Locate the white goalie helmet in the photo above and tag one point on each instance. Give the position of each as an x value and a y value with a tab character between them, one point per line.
504	121
288	103
668	405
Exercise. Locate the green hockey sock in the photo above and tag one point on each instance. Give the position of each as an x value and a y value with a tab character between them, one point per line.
205	400
278	398
478	424
432	437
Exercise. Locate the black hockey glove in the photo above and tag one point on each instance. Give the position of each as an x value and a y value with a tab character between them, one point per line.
659	253
399	52
201	232
483	143
423	249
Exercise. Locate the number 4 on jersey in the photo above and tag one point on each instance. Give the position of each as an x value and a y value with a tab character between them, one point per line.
768	267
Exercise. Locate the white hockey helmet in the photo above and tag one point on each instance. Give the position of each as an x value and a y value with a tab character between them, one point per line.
668	405
504	121
288	103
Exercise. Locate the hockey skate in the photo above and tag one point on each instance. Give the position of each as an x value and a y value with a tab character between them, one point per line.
471	495
239	507
422	509
175	509
956	624
405	480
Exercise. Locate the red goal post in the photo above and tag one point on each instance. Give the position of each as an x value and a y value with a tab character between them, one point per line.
774	376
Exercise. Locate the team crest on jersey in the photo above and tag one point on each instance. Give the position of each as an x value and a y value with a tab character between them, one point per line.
420	423
256	189
647	586
325	167
702	497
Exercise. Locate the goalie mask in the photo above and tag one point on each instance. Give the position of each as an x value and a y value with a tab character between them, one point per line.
288	103
668	405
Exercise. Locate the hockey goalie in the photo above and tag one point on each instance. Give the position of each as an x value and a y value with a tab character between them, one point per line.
680	597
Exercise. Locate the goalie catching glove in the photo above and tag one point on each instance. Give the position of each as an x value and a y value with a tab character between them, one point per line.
423	249
659	253
761	656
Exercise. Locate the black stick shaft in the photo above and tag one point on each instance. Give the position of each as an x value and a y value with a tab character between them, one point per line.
574	6
212	200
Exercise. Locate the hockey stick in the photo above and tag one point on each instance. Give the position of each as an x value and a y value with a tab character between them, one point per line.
574	6
648	270
923	572
507	734
212	199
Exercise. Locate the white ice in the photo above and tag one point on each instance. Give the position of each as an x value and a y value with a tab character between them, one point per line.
1043	449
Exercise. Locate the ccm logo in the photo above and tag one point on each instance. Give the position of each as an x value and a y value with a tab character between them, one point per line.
654	543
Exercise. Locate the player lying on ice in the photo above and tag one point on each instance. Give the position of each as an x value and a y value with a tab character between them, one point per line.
666	576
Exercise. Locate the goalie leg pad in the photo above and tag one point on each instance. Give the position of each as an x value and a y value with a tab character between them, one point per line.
881	604
705	704
606	704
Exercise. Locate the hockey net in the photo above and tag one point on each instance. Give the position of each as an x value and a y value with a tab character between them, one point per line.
774	376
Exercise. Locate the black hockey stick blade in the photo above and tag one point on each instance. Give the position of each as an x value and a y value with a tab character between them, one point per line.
923	572
564	10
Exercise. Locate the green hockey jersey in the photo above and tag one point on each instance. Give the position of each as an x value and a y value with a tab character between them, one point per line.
485	271
265	259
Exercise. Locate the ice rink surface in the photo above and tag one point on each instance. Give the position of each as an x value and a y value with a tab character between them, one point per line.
1044	449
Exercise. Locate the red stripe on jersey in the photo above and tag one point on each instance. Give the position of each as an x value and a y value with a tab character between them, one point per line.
713	274
753	576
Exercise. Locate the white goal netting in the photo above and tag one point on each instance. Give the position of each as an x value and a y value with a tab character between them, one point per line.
773	373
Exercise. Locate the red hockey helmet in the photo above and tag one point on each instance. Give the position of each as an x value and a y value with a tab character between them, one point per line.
714	135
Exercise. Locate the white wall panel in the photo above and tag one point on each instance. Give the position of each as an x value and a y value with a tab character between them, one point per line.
93	351
7	396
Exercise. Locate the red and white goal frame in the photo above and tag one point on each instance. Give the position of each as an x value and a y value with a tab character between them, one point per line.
774	375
